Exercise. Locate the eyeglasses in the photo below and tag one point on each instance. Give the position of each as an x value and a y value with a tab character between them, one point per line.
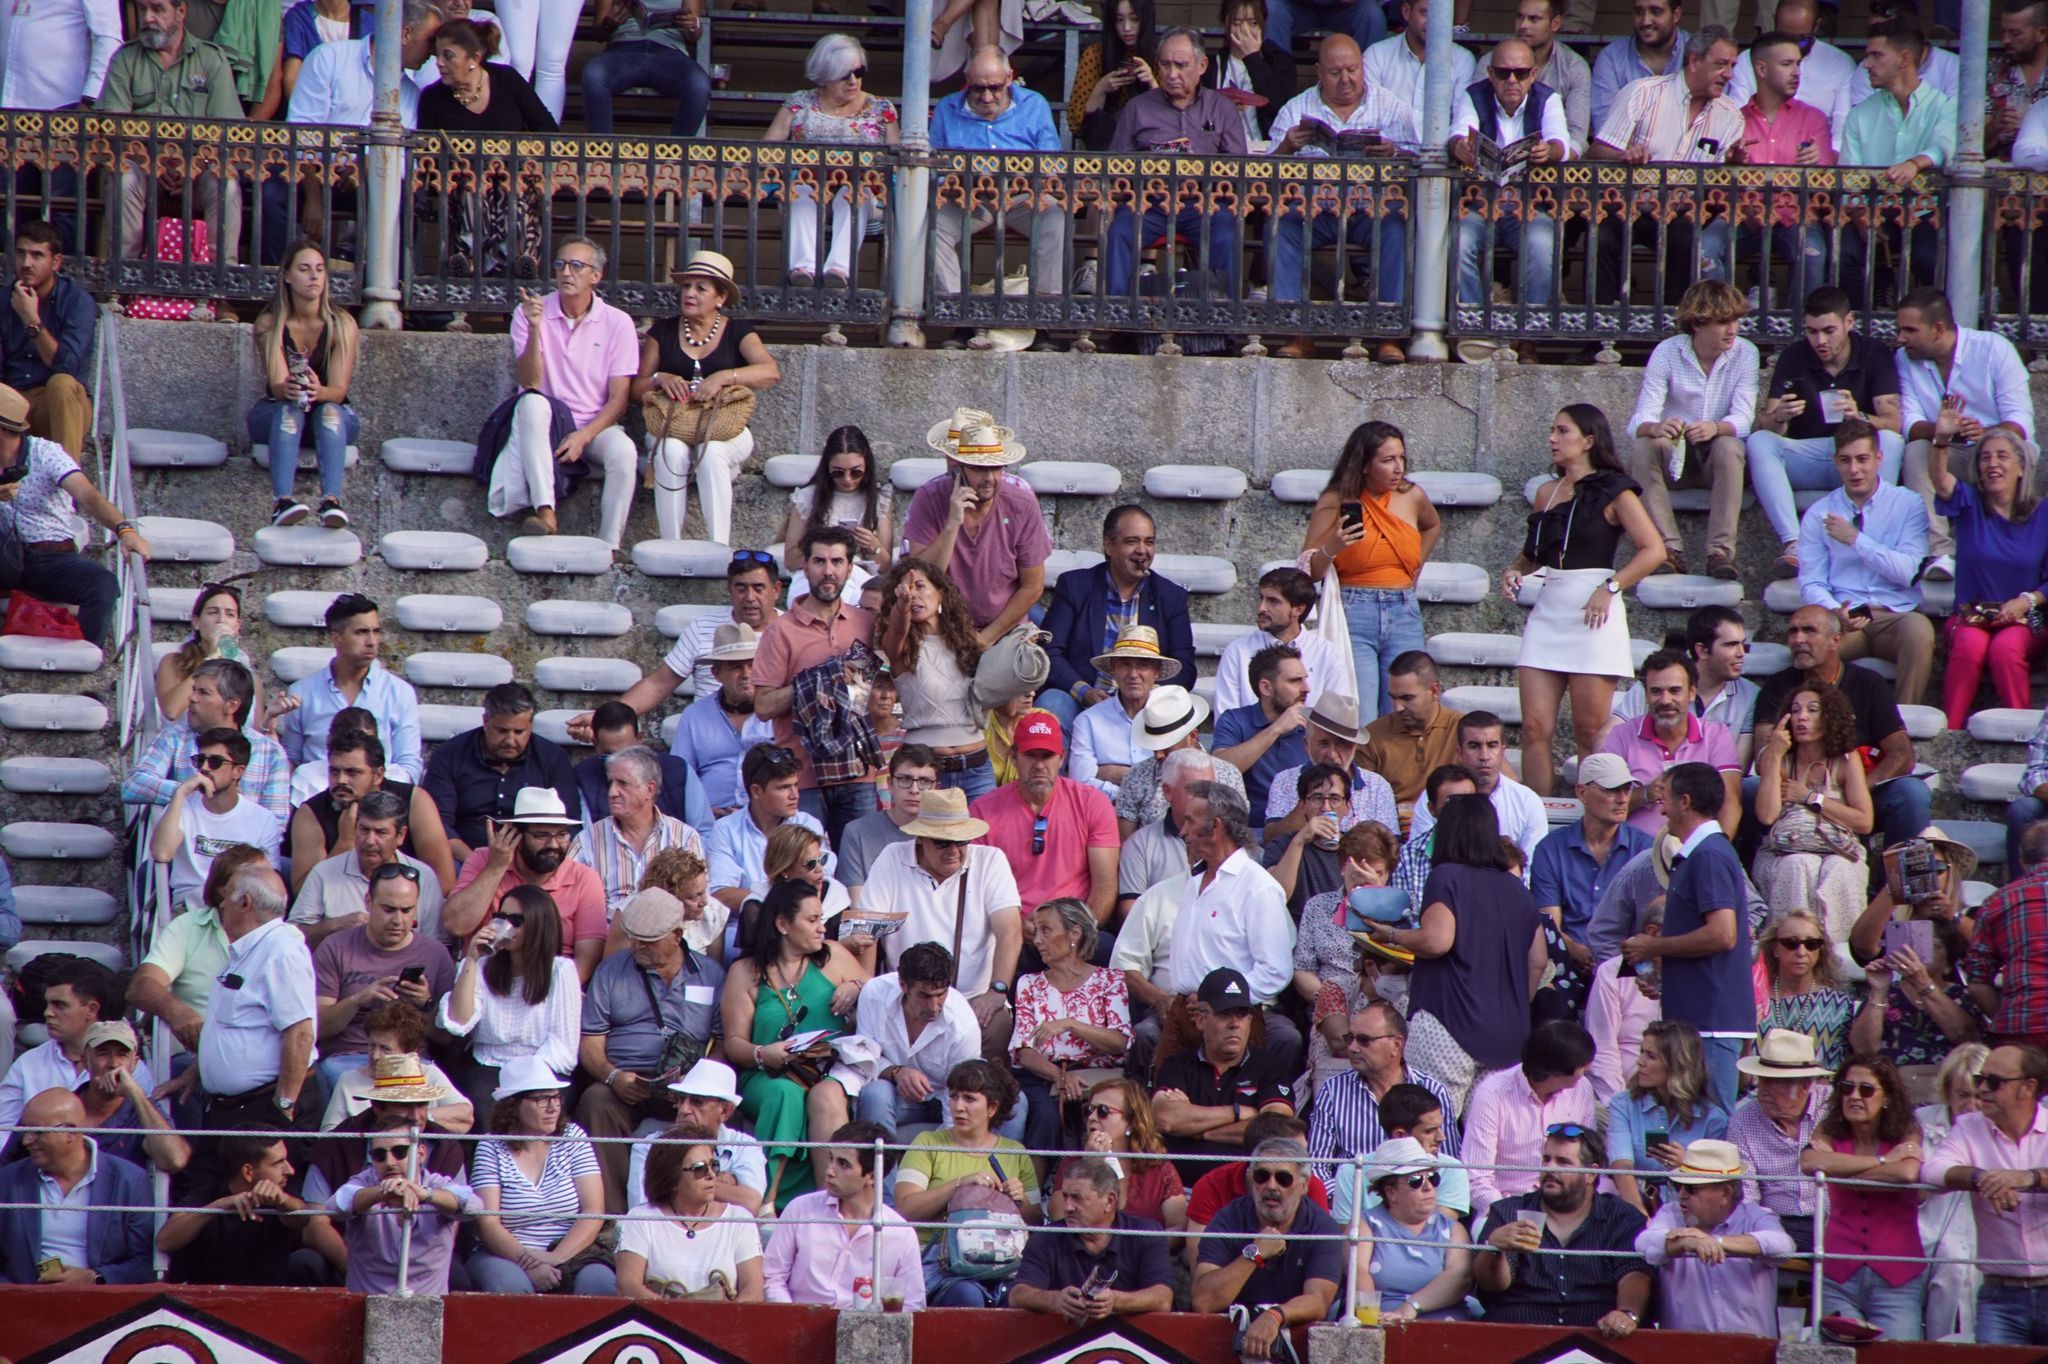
1038	836
914	783
1990	1084
1103	1112
392	871
1803	944
1366	1039
1570	1131
701	1169
1513	73
1280	1179
574	266
859	73
1433	1179
753	556
1862	1089
986	91
512	917
399	1152
211	762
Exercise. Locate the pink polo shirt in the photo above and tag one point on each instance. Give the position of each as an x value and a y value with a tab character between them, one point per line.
581	358
2014	1244
986	562
794	641
1775	142
578	895
1078	818
1637	745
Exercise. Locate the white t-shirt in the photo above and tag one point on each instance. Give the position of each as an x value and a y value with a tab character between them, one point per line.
207	835
674	1255
897	882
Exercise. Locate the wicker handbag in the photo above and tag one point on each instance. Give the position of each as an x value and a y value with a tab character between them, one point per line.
694	421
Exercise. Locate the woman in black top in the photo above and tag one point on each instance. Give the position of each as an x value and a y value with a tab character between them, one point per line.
1577	635
1252	64
476	96
696	354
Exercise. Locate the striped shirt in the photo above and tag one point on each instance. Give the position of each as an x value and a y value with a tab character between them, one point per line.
619	865
537	1214
1768	1152
691	646
1345	1122
1656	112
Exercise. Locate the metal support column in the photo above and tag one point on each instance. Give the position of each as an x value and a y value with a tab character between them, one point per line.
912	191
1965	221
1430	233
385	149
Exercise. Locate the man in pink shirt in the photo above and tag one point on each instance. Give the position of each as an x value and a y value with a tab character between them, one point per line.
1059	834
980	525
825	1245
819	626
1511	1110
1668	734
574	349
533	847
1779	130
2000	1154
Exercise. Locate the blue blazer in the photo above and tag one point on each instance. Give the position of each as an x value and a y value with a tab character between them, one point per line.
1074	620
118	1244
682	795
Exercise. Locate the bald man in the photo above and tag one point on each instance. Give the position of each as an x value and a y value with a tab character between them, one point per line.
992	112
54	1239
1504	107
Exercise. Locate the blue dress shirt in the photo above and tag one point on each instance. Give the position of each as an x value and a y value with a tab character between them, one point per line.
303	732
1563	873
1880	568
71	316
1026	126
707	742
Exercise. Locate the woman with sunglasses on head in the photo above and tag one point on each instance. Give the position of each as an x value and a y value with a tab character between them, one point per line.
1815	802
1870	1135
836	111
1805	984
307	348
683	1242
515	996
539	1231
956	1167
1415	1282
1948	1228
847	490
697	355
1665	1108
1073	1017
796	853
926	634
1117	1121
792	981
216	633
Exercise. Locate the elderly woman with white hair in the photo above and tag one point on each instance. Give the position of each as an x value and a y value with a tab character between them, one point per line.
1073	1019
836	111
2001	572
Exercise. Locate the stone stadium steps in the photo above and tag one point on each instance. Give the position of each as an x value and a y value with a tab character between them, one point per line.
309	459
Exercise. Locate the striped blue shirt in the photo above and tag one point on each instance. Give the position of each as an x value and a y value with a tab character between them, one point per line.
538	1214
1345	1122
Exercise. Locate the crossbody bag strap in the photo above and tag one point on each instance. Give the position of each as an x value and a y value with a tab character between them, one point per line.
959	922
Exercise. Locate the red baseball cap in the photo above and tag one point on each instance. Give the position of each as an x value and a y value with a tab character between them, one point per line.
1038	731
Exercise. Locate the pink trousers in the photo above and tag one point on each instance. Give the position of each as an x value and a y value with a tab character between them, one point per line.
2008	651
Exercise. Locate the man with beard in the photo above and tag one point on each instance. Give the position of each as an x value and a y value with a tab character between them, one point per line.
324	826
1286	596
1267	1266
1268	735
2019	78
474	777
46	335
1670	734
1092	606
718	728
981	525
532	847
1525	1281
1417	735
1717	641
1655	47
1826	73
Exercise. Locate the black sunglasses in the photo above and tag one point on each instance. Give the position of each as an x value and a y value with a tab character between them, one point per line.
510	916
1434	1179
1862	1089
1810	944
1513	73
859	73
392	871
1283	1179
399	1152
803	1011
986	89
211	762
1038	836
1991	1084
1103	1112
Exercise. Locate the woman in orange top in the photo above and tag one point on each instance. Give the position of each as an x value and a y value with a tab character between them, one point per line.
1378	529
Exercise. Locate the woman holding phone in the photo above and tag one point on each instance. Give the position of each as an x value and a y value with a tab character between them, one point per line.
1577	635
1376	529
1665	1108
1112	73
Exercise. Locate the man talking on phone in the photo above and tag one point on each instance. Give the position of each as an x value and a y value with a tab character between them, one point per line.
383	958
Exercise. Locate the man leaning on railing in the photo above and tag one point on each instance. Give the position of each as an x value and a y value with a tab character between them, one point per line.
1999	1154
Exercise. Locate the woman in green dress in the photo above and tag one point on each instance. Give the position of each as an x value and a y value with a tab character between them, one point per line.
791	982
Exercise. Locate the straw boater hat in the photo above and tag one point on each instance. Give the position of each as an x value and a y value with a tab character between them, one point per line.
945	433
943	815
1336	713
1962	858
1710	1161
1169	715
401	1080
1662	854
1142	643
1783	1055
988	447
735	643
714	266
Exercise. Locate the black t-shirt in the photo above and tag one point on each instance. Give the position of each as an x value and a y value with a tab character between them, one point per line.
1288	1276
1318	872
228	1250
671	358
1870	374
1870	697
1251	1084
513	107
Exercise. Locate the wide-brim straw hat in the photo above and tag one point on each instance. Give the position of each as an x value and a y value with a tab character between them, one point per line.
714	266
946	431
402	1079
988	447
1962	858
1140	642
1710	1161
943	815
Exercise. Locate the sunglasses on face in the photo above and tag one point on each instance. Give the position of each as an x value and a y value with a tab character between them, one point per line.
1990	1084
1103	1112
812	863
855	472
701	1169
986	91
1862	1089
1433	1179
1366	1039
1513	73
859	73
1802	944
512	917
399	1152
1279	1179
1038	836
211	762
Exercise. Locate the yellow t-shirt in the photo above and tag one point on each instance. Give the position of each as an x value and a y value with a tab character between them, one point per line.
934	1159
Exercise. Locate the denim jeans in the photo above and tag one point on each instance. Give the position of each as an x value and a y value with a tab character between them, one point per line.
975	781
838	805
1364	20
1903	806
1062	705
1613	265
1384	624
668	71
284	426
1532	243
493	1274
1898	1312
2007	1315
1723	1080
1806	249
73	578
1381	240
1779	466
1121	249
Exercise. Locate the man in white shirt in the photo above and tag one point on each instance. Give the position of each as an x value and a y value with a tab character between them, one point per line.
1394	64
331	898
1976	373
54	53
1826	73
1483	751
209	814
1144	953
337	82
923	1028
1286	596
1505	107
76	995
1233	915
256	1043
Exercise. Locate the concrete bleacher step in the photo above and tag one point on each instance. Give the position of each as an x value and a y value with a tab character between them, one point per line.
1212	638
1072	478
309	458
1923	722
421	455
1766	660
1200	574
430	668
297	610
1452	584
672	620
35	654
42	906
1782	595
1446	487
554	725
1686	591
2003	725
1936	599
25	710
299	660
55	841
908	475
680	558
184	540
442	613
439	723
559	554
433	551
149	448
1195	482
39	774
594	619
611	675
28	949
1995	783
307	547
1986	837
1506	702
172	605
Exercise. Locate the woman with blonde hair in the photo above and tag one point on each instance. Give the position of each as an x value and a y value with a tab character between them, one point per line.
796	853
1805	984
307	348
1665	1108
926	634
1816	804
1948	1228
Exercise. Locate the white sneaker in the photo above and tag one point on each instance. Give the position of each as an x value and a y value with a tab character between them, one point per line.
1939	568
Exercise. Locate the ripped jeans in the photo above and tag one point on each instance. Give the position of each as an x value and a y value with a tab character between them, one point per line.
282	426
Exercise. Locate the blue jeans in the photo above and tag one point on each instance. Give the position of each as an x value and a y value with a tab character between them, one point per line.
1721	1054
2012	1316
332	1068
975	781
1384	624
838	805
667	70
1806	249
1382	240
881	1104
1362	19
1533	243
1779	465
1899	1312
1062	705
1903	806
1122	248
85	583
2018	815
283	426
490	1273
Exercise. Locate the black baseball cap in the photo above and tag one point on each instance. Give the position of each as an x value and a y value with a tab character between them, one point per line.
1224	989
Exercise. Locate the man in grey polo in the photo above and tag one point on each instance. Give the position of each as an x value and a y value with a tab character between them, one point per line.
332	897
648	1013
1156	852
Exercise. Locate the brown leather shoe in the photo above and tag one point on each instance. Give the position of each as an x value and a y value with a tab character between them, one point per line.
1674	562
1297	348
1390	353
1722	566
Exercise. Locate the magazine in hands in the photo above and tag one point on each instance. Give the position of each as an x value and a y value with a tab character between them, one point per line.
1502	164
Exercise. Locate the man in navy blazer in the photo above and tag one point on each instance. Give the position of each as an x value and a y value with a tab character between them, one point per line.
1082	622
69	1167
614	726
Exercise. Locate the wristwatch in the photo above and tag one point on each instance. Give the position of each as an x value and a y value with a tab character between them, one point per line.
1251	1252
1001	987
284	1105
1614	587
34	329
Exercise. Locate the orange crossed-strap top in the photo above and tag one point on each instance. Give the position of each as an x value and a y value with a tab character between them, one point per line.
1389	556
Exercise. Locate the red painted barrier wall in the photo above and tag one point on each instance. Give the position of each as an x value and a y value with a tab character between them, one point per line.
534	1330
242	1325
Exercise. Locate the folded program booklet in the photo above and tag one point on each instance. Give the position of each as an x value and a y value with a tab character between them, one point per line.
1501	164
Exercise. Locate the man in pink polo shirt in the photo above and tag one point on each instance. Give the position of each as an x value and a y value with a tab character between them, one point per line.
574	348
532	847
1059	834
2000	1153
1669	734
1779	130
981	525
819	626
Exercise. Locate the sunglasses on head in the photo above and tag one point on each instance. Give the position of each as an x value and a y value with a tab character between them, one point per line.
1570	1131
1038	836
753	556
398	1152
392	871
1808	944
1862	1089
1280	1179
211	762
1434	1179
510	916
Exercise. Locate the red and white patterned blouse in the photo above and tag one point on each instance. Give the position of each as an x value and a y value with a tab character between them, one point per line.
1103	1000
